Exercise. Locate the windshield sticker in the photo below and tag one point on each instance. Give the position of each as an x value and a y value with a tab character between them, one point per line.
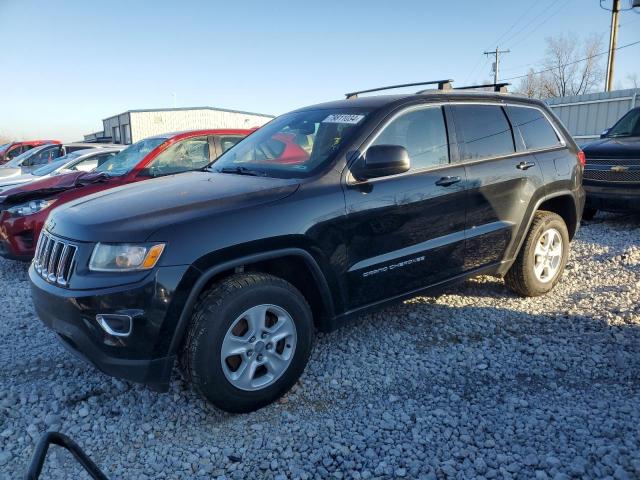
343	118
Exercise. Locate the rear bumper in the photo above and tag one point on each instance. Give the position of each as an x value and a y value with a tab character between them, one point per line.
141	357
613	197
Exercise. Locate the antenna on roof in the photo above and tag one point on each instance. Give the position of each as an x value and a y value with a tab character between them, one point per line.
442	85
497	87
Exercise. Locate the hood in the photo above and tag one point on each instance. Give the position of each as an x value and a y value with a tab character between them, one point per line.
12	182
10	172
132	212
50	185
620	147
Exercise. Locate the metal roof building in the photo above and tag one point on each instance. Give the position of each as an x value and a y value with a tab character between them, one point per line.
586	116
134	125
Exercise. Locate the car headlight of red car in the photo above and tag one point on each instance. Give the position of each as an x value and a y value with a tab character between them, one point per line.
29	208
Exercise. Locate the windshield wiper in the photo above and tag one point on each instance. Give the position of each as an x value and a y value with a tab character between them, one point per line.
239	170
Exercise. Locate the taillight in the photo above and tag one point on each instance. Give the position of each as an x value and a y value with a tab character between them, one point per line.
581	158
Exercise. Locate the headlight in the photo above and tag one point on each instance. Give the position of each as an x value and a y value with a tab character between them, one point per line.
29	208
124	257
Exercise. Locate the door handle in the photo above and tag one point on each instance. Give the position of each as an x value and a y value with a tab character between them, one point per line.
525	165
446	181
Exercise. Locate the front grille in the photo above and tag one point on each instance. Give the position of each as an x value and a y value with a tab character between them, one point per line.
612	161
612	176
54	259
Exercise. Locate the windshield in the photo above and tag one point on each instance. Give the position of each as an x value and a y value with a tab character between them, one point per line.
294	145
47	169
3	147
627	126
127	159
17	161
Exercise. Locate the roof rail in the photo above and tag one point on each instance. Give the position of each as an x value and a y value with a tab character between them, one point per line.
442	85
497	87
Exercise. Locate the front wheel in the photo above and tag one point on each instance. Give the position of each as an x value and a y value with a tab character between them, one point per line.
542	258
249	341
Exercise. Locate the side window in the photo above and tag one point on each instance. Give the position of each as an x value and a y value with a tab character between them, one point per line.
227	142
44	156
15	152
424	135
534	127
483	131
90	163
190	154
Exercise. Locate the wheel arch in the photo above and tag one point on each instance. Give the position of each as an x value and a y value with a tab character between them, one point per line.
293	264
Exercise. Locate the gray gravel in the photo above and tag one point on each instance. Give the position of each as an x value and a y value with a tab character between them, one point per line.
475	383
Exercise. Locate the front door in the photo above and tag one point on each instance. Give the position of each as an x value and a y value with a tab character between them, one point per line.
406	231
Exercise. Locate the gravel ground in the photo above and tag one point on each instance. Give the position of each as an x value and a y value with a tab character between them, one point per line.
474	383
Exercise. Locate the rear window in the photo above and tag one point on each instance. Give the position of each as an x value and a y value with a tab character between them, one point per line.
485	131
534	127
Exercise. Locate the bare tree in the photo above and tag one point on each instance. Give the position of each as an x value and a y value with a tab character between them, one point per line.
530	86
564	72
632	80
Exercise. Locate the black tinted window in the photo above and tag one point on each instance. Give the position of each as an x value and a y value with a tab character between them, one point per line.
534	127
485	131
423	133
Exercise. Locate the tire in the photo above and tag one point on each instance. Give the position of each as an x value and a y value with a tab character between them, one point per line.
222	307
588	213
522	277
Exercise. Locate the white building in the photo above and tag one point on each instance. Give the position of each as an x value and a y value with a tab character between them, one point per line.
134	125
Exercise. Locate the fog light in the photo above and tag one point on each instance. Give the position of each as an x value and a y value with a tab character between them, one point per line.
116	325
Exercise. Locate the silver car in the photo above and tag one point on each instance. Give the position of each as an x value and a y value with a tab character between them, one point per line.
79	160
42	155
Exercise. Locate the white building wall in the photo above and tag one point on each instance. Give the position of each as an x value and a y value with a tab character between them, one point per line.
146	124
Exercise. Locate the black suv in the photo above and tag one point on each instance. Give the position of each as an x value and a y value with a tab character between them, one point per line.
322	214
612	171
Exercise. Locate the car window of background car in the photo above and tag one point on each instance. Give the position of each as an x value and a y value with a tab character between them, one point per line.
295	144
50	168
627	126
89	164
485	131
424	135
536	130
17	161
185	155
127	159
44	156
16	152
227	142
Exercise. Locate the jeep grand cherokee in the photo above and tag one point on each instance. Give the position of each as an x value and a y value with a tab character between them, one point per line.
230	270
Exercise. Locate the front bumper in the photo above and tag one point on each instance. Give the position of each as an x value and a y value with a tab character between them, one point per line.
19	235
614	198
144	355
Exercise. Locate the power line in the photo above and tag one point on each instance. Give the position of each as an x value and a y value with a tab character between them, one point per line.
544	21
475	67
530	22
570	63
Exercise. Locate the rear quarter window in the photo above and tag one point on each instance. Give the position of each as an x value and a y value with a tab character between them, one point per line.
534	127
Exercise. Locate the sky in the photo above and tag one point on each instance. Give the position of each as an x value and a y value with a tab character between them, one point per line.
66	65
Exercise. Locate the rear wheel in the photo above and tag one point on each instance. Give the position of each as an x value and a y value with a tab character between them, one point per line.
542	258
249	341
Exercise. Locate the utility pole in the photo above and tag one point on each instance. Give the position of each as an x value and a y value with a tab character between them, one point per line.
496	64
613	39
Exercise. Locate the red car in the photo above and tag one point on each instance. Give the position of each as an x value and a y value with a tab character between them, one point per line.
25	209
13	149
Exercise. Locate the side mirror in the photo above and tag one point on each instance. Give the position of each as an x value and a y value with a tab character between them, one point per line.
383	160
604	132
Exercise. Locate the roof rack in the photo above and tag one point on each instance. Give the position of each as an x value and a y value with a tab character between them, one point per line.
497	87
442	85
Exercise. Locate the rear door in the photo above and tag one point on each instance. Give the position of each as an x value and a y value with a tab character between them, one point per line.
502	179
406	231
